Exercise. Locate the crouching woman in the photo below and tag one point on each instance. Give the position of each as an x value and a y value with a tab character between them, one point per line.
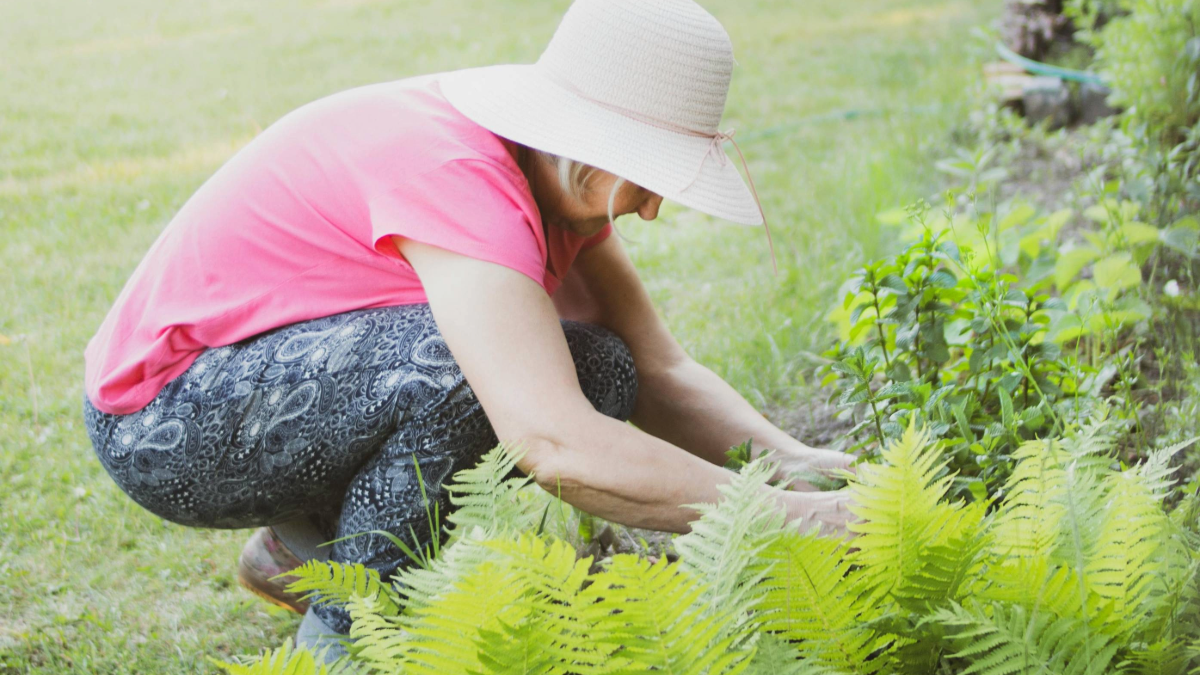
401	275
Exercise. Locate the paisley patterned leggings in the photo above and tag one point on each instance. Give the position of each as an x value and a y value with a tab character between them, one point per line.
325	418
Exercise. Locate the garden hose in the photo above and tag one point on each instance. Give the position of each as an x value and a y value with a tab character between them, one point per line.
1039	68
1035	67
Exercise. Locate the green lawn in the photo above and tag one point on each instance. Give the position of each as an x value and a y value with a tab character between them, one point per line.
112	114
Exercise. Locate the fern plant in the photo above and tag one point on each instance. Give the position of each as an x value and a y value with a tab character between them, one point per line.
1077	568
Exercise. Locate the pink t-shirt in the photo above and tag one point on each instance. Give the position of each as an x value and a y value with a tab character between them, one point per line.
297	225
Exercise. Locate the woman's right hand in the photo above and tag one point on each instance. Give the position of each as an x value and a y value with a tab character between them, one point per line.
831	510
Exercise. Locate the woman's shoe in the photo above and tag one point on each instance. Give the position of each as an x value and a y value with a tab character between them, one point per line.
263	557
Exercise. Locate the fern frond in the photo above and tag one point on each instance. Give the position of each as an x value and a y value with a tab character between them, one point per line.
378	639
567	623
1165	657
816	600
998	639
521	609
289	660
333	582
442	636
774	655
1039	491
1082	501
1048	530
725	545
485	498
1035	583
952	551
417	586
660	621
1134	558
515	650
1091	447
1172	606
1027	524
895	501
1157	471
913	545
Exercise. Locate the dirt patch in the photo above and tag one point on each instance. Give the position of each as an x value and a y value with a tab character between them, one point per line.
1044	171
813	421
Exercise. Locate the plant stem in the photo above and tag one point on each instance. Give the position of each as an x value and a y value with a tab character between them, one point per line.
879	326
875	413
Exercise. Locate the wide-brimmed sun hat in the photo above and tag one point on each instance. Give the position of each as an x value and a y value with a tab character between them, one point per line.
634	87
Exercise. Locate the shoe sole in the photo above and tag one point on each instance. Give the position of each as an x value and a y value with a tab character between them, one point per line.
251	581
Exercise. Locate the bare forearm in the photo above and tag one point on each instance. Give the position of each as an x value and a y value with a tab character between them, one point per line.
691	407
614	471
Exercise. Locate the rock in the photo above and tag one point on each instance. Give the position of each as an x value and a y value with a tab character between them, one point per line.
1093	103
1006	80
1047	98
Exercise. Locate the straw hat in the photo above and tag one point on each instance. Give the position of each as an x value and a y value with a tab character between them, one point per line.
633	87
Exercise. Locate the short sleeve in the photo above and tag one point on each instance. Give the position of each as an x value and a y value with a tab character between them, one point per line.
471	207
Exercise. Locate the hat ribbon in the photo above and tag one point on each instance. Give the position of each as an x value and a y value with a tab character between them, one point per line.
715	147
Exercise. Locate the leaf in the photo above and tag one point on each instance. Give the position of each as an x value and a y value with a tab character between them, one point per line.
960	418
1117	272
864	324
485	497
1071	263
526	592
654	613
894	282
1139	233
893	390
943	279
1055	221
1182	237
1010	381
1018	216
911	544
817	601
1014	640
1006	408
1096	213
1031	244
333	582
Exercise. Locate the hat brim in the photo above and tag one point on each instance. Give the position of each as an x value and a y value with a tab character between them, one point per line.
517	102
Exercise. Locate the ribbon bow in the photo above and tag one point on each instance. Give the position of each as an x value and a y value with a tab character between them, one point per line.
717	147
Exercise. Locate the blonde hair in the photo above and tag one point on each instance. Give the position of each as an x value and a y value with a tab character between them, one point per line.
575	177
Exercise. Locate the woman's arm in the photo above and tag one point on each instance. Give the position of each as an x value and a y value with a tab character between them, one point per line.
679	400
692	407
504	334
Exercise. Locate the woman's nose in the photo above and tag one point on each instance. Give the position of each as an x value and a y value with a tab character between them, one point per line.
649	209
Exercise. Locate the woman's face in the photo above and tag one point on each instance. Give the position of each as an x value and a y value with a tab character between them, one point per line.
588	214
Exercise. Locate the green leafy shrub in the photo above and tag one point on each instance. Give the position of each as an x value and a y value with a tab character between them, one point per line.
1078	569
965	329
1151	59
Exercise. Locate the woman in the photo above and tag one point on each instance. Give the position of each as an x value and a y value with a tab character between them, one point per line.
404	274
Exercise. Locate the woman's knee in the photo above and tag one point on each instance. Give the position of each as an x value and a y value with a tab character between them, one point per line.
605	368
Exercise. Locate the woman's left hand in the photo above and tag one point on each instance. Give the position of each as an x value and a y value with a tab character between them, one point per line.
798	469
